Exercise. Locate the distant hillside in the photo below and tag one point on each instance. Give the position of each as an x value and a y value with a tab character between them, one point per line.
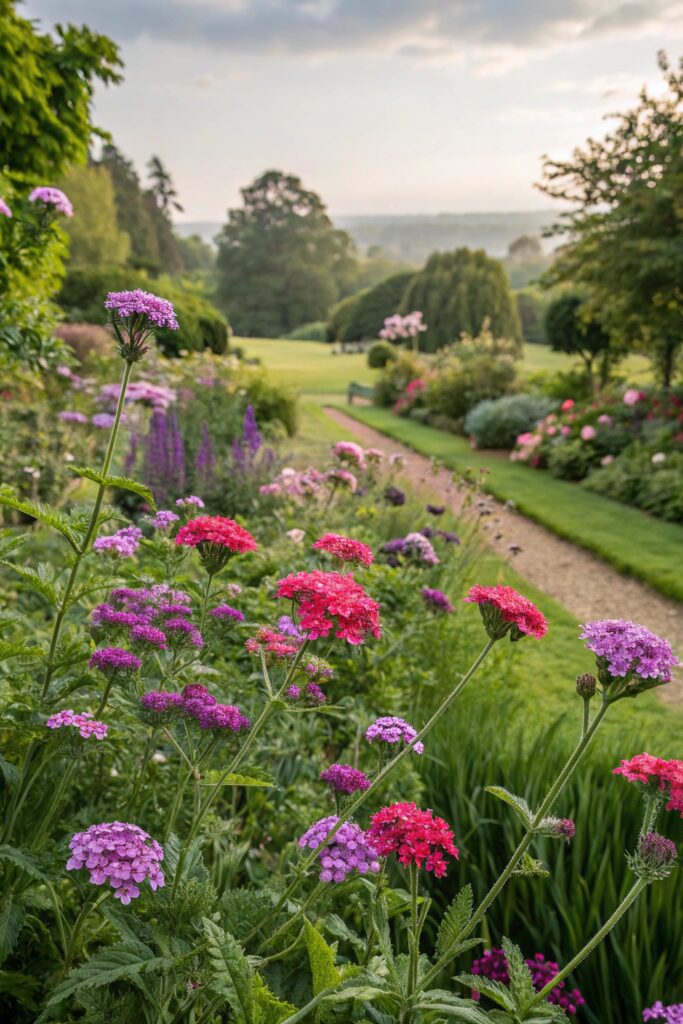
413	237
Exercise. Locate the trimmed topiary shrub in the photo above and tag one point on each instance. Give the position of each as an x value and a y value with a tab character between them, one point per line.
381	353
496	423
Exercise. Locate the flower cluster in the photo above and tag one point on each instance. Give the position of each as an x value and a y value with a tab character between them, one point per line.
656	776
343	478
138	304
5	211
310	694
394	496
120	854
294	483
390	729
654	858
625	649
123	543
672	1014
414	547
345	549
503	611
191	501
216	538
163	519
224	613
113	661
493	965
149	618
52	197
417	836
155	395
330	600
85	723
350	452
397	327
349	849
437	600
194	702
343	778
72	416
270	641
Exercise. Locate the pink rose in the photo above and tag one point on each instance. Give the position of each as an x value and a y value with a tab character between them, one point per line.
551	431
565	431
567	404
632	396
587	433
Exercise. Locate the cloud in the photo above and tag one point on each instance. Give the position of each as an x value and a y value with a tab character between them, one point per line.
428	28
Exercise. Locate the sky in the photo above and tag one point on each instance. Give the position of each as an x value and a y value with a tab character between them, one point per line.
381	106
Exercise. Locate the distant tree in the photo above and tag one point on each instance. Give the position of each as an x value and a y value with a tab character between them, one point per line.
46	88
281	262
456	292
568	328
625	231
531	308
366	314
525	249
95	240
195	253
163	189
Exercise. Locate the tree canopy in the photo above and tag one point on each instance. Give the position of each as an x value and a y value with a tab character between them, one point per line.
281	262
456	292
95	240
569	328
625	232
46	90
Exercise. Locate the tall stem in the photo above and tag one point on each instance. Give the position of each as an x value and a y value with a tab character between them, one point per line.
414	951
628	899
86	911
205	602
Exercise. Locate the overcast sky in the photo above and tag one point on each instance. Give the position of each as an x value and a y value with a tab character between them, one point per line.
382	106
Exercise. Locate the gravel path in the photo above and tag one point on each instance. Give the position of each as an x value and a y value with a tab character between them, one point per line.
588	587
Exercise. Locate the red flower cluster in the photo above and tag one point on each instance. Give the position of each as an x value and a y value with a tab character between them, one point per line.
417	835
510	607
226	533
658	773
330	600
345	548
272	642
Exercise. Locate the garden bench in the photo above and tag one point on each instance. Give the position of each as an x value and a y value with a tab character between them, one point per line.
359	391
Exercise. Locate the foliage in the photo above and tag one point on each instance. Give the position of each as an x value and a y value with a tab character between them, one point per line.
457	292
496	423
196	254
280	260
641	478
95	240
624	231
340	316
369	310
569	328
315	331
87	342
46	93
381	353
531	307
396	377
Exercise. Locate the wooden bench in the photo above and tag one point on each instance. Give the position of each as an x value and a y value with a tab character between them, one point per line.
359	391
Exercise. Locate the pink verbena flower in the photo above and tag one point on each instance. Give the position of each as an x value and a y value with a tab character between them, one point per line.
503	611
344	478
52	197
345	779
331	601
344	548
655	775
119	854
123	543
144	305
417	836
672	1014
85	723
348	451
4	209
390	729
349	849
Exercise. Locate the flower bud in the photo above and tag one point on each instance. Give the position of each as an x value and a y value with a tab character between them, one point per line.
586	684
654	858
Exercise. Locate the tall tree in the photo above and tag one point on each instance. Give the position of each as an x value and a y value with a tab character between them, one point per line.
95	239
625	233
281	262
46	89
570	328
163	189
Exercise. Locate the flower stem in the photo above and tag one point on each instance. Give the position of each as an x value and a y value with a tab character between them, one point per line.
86	911
414	951
628	899
205	602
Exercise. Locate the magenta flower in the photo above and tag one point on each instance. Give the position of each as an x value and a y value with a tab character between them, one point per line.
4	209
393	730
222	717
225	612
143	305
52	197
672	1014
163	519
85	723
493	964
114	660
349	849
343	778
119	854
124	543
437	600
143	636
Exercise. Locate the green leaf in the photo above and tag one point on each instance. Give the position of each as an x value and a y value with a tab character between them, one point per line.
20	987
9	771
322	959
521	986
34	580
232	977
454	921
518	803
122	482
8	651
243	909
44	513
114	963
210	778
11	920
440	1001
493	990
268	1009
24	860
529	867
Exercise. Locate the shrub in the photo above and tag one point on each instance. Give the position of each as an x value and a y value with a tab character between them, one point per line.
340	317
86	340
478	368
373	306
531	307
314	331
633	478
396	377
570	461
496	423
381	353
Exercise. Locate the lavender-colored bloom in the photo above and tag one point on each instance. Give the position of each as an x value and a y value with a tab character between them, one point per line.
112	660
224	611
315	666
394	495
657	850
293	692
183	632
164	468
205	459
139	303
4	209
624	648
672	1014
449	536
107	615
345	779
124	543
148	636
394	547
85	723
437	600
349	849
163	519
289	628
52	197
161	701
71	416
251	435
104	420
222	716
390	729
119	854
314	695
418	547
190	501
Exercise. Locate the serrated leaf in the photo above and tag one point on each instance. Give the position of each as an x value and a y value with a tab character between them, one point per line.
34	581
122	482
22	859
20	987
529	867
10	543
210	778
493	990
17	650
243	909
11	920
518	803
232	973
114	963
322	959
454	921
268	1009
440	1001
43	513
521	986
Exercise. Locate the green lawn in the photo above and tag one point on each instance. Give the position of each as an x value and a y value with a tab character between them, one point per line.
633	542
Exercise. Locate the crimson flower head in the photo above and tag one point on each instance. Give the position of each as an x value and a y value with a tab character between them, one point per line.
417	836
332	601
216	538
271	641
656	776
345	549
504	611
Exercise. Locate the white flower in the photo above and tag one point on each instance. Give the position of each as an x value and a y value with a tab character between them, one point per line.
658	458
296	536
159	757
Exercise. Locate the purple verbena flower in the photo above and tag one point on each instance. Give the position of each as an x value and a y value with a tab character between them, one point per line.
344	778
52	197
223	717
624	648
191	501
114	660
224	611
119	854
161	701
71	416
104	420
390	729
437	600
163	519
123	543
148	636
349	849
183	632
139	303
672	1014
